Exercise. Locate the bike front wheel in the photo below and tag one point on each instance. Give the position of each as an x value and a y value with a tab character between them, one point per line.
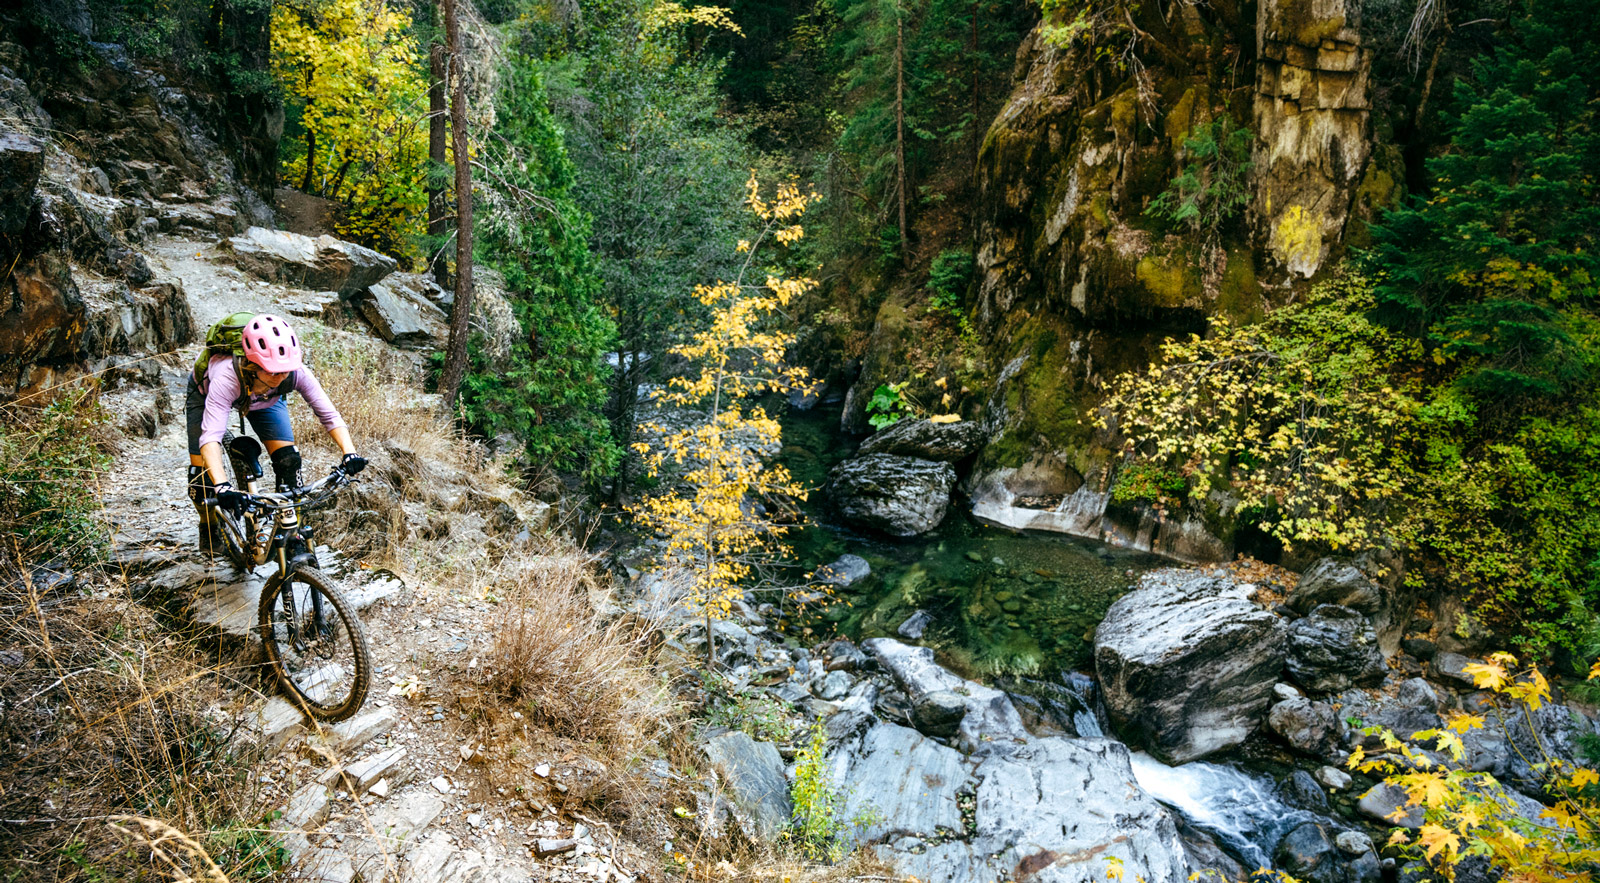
316	645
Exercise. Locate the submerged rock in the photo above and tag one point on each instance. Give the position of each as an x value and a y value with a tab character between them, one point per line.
901	496
1187	663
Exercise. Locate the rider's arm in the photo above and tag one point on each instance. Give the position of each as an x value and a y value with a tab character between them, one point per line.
222	390
341	437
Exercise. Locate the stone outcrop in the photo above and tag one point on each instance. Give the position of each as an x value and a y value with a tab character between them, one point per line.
900	496
320	264
1187	663
394	318
752	773
1311	123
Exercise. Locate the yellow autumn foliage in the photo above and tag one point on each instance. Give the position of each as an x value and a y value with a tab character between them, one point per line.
352	74
711	529
1467	813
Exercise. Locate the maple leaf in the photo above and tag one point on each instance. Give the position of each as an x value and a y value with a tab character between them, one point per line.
1461	722
1487	675
1436	839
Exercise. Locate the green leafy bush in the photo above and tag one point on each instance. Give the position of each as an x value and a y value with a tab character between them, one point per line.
1142	482
818	824
948	279
757	714
887	406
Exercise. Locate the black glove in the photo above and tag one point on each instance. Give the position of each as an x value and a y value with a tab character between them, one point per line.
352	464
229	499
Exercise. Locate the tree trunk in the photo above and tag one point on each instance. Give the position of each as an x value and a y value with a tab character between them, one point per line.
438	227
900	123
455	363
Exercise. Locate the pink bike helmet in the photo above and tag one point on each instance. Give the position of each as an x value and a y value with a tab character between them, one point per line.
270	343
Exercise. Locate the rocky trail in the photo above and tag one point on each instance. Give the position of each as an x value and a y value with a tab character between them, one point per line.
401	791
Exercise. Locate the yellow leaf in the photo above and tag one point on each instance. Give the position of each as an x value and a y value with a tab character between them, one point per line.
1436	839
1487	675
945	418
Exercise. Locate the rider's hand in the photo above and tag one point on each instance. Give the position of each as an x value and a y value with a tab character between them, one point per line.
229	499
352	464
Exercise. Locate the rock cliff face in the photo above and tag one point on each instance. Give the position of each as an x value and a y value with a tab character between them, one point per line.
1077	280
102	154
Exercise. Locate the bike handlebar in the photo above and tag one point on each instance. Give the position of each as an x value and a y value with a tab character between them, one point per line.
310	495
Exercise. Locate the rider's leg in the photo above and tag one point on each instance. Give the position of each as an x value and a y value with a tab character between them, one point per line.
199	482
272	425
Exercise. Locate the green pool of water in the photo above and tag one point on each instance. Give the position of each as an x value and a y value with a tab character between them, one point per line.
1002	603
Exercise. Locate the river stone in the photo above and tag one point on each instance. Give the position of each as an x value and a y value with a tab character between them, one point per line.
901	496
753	774
1418	693
1331	581
1309	727
320	264
844	572
924	439
1310	853
915	625
1383	800
1053	811
835	685
991	720
900	782
1353	843
1302	790
1334	648
1333	777
1187	662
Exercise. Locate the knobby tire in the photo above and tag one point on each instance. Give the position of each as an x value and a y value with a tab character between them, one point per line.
336	610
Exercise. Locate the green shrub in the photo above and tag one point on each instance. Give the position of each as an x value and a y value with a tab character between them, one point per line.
948	280
818	824
1148	483
1213	185
51	462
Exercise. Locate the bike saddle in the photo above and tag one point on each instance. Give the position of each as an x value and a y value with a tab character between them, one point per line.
246	454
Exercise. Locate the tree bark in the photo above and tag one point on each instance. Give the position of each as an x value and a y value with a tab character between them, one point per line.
900	123
455	363
438	226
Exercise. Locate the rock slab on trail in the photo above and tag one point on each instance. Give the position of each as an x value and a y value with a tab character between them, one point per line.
320	264
1187	663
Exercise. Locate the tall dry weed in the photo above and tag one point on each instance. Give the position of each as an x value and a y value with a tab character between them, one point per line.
580	674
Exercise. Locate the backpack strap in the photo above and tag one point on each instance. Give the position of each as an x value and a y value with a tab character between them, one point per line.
243	402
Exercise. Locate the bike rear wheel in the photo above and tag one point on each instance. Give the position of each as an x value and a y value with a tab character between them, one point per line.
316	645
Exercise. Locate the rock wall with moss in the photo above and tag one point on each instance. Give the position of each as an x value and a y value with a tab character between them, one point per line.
1077	278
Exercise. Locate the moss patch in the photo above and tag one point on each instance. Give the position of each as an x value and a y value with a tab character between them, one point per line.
1169	279
1239	295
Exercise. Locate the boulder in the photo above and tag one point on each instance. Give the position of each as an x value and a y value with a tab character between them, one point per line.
991	721
21	161
1309	727
43	317
844	572
927	440
1301	789
1331	581
319	264
1390	804
1332	649
1333	777
1187	663
939	713
899	781
1452	666
393	318
752	773
1054	811
901	496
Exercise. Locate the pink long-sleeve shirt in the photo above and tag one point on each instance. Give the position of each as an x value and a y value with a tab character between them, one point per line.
222	390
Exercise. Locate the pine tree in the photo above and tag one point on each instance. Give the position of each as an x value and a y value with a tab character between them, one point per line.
1489	266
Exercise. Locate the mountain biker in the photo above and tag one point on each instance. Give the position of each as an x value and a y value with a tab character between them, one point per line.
256	384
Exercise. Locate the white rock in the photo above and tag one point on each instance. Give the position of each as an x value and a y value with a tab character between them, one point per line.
441	785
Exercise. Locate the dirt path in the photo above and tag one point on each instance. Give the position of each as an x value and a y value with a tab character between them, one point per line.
416	801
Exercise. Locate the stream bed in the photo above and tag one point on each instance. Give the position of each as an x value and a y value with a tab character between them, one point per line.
998	602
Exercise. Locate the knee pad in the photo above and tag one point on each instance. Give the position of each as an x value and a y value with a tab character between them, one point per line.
286	466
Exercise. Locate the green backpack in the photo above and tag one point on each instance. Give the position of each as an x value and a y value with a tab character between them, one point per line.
226	338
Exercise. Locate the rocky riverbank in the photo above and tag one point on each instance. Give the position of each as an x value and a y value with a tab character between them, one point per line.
950	779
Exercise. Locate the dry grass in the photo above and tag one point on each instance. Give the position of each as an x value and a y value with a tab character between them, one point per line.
579	674
102	713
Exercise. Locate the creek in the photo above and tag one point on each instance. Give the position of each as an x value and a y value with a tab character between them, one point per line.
1004	605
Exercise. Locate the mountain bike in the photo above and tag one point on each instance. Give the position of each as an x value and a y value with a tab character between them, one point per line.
313	640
